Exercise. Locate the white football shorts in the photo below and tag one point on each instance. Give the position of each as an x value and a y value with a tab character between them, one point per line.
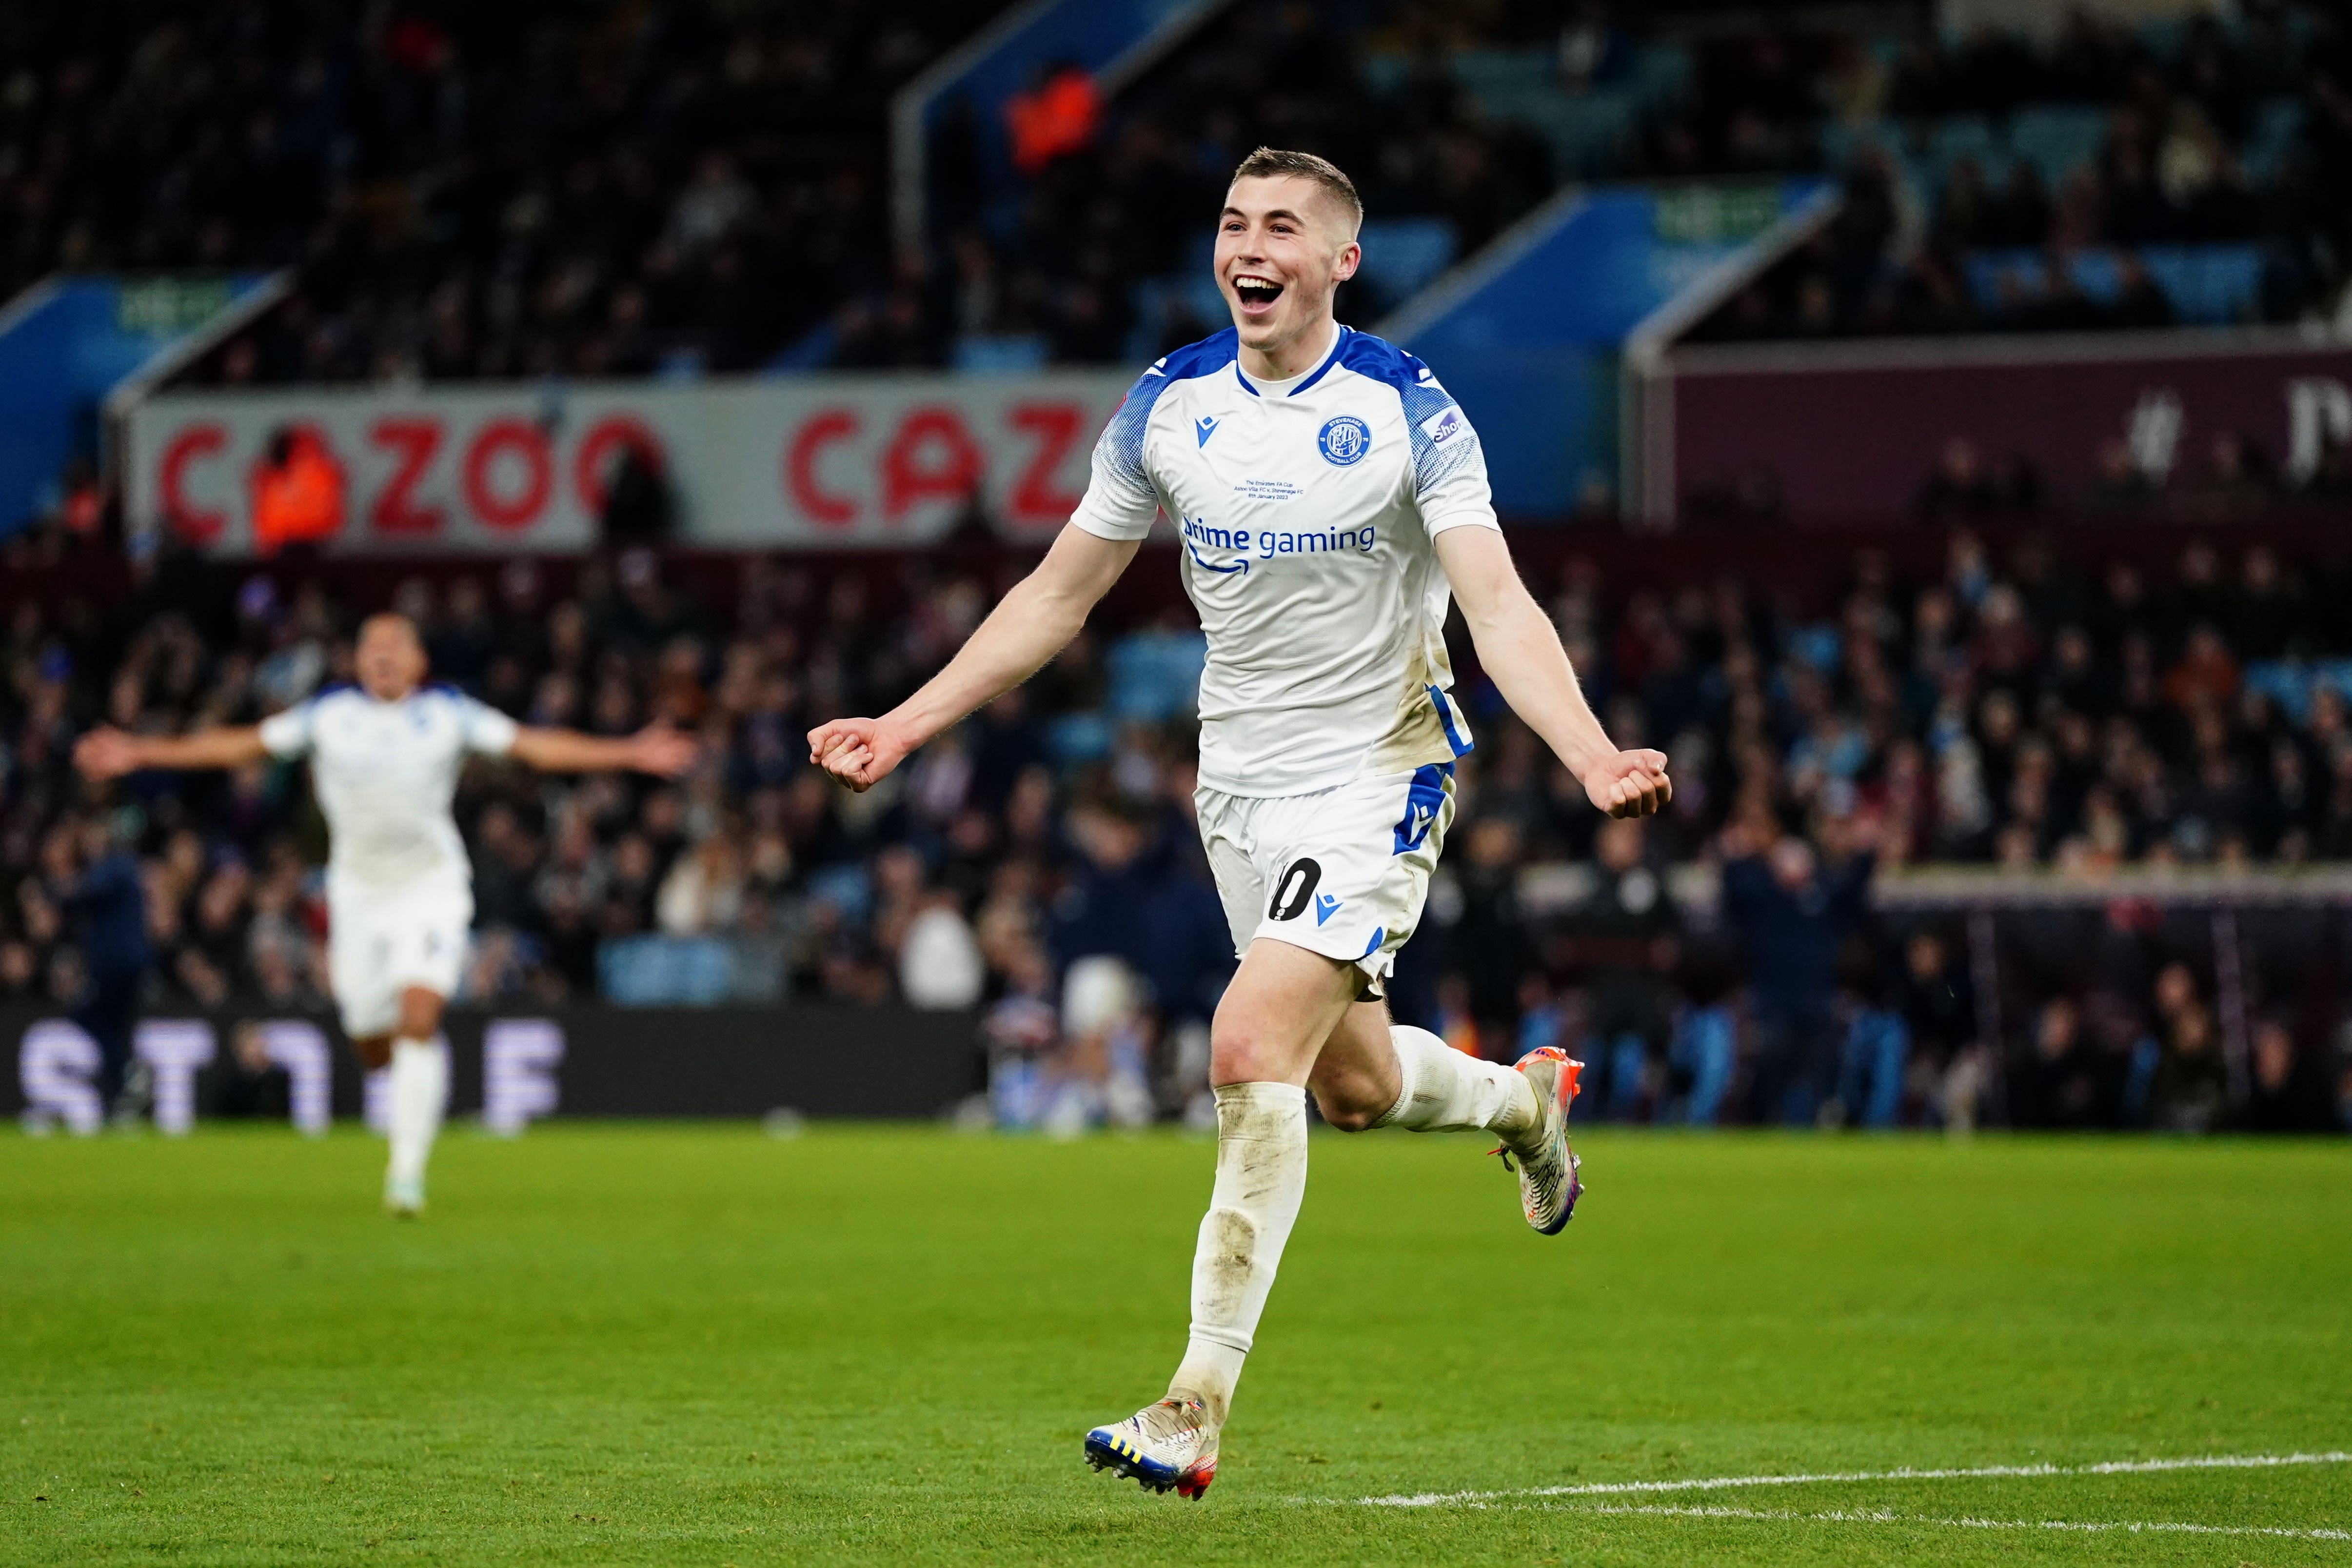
382	942
1343	871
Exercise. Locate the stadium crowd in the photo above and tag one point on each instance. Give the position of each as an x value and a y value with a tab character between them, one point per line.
539	190
499	191
2065	165
1724	962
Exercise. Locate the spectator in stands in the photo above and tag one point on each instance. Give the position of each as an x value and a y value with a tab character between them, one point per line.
1960	489
2056	1084
1794	915
2291	1092
1876	1048
1056	116
97	881
1624	937
1936	1003
245	1083
2191	1093
298	494
2101	712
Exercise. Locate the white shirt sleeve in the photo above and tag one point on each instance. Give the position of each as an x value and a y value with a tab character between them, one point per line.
1120	500
486	729
1449	466
286	734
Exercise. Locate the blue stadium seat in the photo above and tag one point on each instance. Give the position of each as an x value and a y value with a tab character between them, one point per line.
1400	254
2055	138
988	354
2289	683
2277	122
1155	676
665	971
1959	136
2208	285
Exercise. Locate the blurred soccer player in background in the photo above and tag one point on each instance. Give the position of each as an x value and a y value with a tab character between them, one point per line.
1331	496
384	760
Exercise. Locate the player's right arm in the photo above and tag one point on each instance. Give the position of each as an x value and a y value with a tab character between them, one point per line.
107	753
1029	625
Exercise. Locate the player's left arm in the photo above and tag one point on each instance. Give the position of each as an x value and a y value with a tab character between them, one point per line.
656	749
1521	653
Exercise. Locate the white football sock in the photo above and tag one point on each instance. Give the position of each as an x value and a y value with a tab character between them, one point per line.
1444	1089
420	1086
1261	1177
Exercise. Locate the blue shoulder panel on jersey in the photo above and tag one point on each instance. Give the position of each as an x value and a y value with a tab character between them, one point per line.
1122	438
1377	358
332	687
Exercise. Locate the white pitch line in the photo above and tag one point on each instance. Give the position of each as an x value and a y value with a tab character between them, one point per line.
1713	1483
1841	1516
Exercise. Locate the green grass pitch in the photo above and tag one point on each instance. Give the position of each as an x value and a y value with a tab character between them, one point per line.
670	1345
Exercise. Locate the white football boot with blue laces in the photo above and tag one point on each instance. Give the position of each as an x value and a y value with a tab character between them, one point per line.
1164	1446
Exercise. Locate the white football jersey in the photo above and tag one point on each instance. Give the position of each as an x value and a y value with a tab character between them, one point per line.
1306	509
384	773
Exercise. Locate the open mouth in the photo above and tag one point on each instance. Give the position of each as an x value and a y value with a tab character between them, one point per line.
1256	294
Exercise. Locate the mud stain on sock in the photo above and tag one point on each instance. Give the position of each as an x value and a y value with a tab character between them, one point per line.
1222	1269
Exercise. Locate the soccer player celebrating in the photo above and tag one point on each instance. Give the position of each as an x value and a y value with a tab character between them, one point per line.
1329	495
384	760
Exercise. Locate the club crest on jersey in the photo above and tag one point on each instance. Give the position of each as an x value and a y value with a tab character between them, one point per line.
1344	439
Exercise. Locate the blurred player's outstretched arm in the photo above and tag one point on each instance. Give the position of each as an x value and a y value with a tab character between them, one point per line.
657	749
107	753
1521	653
1029	625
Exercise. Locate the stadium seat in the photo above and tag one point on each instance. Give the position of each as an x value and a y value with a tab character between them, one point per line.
665	971
2056	138
1015	353
1403	254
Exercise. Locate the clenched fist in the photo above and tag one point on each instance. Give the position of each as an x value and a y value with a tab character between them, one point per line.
857	752
1629	783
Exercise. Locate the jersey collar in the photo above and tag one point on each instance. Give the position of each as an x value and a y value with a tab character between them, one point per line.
1297	385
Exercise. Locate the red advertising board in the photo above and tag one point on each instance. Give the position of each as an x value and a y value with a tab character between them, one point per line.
1850	431
822	461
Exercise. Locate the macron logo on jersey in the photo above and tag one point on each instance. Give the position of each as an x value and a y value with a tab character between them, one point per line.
1204	427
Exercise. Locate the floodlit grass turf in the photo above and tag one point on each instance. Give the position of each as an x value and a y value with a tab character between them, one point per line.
693	1345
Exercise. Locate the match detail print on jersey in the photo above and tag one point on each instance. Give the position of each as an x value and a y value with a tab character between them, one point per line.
1305	509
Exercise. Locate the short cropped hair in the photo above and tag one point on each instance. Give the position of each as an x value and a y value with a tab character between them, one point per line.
1271	162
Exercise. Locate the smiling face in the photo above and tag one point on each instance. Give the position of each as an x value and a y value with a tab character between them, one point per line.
1284	245
390	656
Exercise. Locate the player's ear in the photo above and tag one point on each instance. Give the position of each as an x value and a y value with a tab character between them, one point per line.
1351	256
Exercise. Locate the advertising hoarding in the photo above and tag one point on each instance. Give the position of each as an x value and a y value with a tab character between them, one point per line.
815	462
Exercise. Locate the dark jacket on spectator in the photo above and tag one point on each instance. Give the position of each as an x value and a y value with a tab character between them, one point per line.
1792	938
109	901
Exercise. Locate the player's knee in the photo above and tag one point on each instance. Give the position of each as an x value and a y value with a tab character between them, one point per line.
1239	1052
374	1052
1347	1111
420	1013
